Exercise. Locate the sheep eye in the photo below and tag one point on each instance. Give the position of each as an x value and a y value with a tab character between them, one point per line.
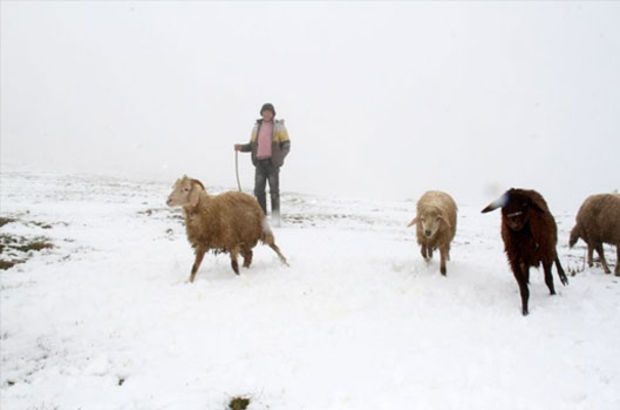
186	189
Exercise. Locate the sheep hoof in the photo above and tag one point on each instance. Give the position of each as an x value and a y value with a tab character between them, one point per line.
443	270
235	267
525	312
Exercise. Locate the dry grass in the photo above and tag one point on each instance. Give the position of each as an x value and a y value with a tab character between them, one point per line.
239	403
4	221
15	249
8	264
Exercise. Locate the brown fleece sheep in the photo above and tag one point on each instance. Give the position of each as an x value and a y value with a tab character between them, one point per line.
598	222
231	222
530	237
435	225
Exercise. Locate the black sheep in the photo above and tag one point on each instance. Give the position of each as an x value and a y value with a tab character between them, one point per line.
530	237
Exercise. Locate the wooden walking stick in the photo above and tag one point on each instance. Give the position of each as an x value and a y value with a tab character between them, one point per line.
237	169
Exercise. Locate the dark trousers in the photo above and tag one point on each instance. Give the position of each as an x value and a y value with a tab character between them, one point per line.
265	171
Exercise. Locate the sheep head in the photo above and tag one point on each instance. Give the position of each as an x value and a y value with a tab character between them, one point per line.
429	220
185	192
575	234
516	205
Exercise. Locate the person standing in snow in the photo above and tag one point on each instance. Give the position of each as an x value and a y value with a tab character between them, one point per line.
269	145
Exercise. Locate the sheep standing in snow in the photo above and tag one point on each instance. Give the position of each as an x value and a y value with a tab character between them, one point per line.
231	222
598	222
530	237
435	225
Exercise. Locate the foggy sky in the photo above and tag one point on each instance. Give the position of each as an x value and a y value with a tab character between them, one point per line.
381	100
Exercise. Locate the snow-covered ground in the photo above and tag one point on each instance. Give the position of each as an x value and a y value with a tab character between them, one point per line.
107	319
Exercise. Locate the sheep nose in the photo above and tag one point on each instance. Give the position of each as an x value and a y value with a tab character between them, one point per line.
169	201
427	232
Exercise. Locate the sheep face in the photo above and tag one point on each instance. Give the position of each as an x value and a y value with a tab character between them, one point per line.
517	210
515	214
430	222
184	193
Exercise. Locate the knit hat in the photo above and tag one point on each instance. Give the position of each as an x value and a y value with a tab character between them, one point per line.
268	106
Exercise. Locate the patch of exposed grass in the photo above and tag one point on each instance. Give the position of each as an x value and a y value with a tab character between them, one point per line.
23	244
7	242
4	265
147	212
13	248
167	213
35	245
239	403
4	221
42	225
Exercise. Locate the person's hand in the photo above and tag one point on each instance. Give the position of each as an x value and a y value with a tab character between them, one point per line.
237	147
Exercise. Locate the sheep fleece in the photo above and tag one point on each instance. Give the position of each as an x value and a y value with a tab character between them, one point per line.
598	219
225	221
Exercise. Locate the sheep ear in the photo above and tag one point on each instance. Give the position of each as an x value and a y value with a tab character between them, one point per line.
498	203
194	196
443	218
413	222
195	181
536	207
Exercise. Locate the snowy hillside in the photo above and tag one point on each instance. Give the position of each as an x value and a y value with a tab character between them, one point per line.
106	319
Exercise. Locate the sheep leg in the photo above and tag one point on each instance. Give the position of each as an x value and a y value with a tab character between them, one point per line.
617	270
443	252
526	270
520	276
423	251
200	253
269	240
247	258
234	254
427	252
601	255
525	295
561	273
277	250
549	277
590	252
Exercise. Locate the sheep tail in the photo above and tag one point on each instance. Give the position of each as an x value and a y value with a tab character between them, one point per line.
268	239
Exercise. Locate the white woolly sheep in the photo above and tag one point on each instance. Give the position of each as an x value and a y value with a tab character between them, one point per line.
231	222
598	222
435	225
